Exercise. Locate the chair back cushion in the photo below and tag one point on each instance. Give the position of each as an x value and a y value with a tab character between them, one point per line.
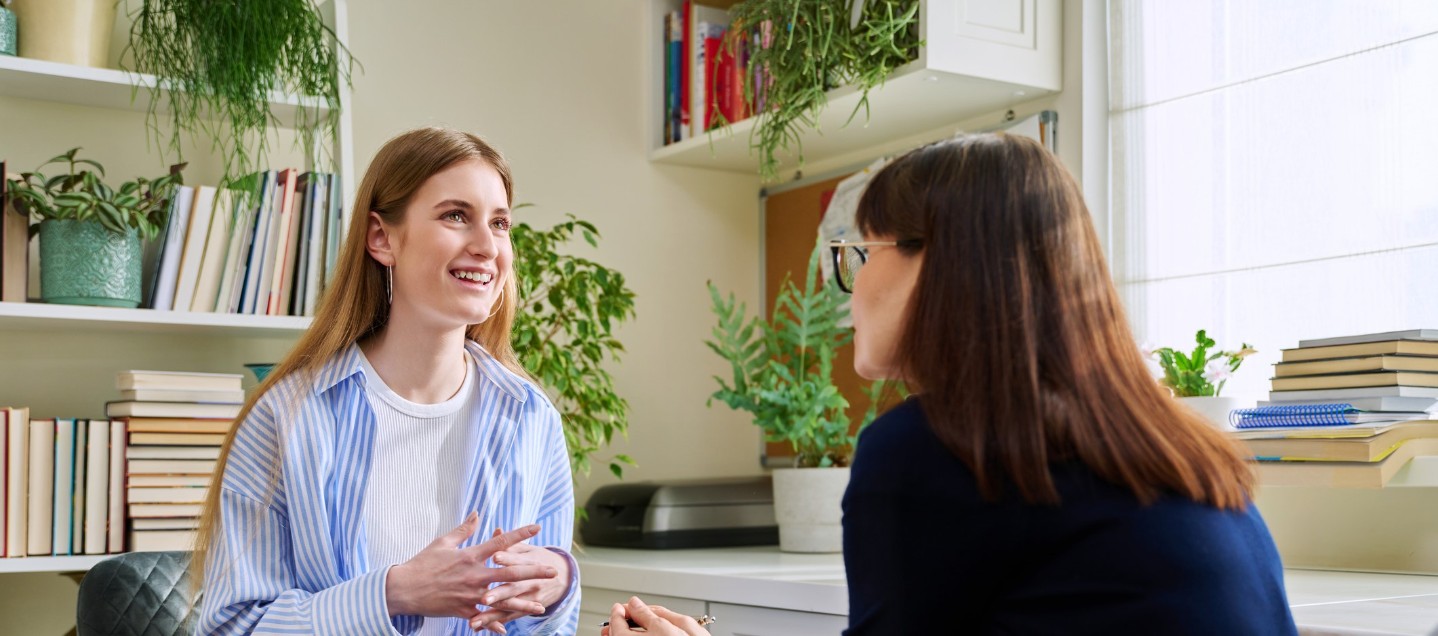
136	593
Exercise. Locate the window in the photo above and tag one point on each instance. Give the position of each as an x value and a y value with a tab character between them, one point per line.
1274	170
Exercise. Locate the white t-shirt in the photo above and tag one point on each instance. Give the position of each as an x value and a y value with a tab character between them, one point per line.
416	484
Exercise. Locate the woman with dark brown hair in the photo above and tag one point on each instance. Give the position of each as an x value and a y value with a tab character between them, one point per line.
1039	481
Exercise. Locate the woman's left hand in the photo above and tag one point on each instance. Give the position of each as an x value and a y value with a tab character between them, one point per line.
528	595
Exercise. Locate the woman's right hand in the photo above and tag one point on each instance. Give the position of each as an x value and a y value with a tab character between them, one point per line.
446	580
653	618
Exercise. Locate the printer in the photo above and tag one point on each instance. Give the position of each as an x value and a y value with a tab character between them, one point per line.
697	513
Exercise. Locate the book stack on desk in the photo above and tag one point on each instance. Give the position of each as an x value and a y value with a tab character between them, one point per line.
1350	411
176	423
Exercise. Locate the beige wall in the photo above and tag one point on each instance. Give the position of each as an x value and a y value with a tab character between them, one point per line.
561	88
564	99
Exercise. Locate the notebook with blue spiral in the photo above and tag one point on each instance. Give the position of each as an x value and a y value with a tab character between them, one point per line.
1293	415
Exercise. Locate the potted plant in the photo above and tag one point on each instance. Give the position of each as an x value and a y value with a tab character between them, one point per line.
782	374
90	232
224	61
808	47
1198	377
564	331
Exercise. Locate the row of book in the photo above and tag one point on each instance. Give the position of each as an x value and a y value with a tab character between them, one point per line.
133	482
264	248
705	67
63	485
1349	411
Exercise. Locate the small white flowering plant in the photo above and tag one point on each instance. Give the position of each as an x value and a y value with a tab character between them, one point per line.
1201	373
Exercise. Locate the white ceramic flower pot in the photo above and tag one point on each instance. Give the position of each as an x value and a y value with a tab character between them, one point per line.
807	506
1216	409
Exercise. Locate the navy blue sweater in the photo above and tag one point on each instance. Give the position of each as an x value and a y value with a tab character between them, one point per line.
926	555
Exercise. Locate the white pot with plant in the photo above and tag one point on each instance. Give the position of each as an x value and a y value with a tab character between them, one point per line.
783	375
1198	377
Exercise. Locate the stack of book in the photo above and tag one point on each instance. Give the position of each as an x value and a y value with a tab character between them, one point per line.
63	482
1347	411
176	424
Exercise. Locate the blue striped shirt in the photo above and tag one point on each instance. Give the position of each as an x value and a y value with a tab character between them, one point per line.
289	556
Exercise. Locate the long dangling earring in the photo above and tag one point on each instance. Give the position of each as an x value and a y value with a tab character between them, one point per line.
499	304
389	283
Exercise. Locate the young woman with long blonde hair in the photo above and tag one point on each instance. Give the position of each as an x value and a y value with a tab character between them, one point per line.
350	496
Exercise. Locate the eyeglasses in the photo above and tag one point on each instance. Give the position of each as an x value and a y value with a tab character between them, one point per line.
849	257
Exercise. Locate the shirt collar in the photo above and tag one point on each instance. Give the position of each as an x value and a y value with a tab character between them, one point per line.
349	363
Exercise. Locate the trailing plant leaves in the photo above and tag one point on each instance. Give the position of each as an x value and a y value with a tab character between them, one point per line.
808	47
223	59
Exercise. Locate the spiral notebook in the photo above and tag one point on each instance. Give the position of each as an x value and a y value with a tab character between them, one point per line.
1339	414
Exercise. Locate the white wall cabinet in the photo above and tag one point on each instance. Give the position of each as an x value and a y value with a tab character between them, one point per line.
980	56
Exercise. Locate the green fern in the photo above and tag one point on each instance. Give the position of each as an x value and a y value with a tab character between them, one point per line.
782	370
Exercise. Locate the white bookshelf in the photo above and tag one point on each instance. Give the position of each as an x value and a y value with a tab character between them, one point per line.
43	317
36	348
107	88
21	565
980	57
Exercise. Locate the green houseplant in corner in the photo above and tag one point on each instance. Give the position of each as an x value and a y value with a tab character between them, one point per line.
782	374
90	232
811	46
564	331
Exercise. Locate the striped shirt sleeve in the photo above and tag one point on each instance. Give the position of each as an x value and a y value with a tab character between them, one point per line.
556	531
250	587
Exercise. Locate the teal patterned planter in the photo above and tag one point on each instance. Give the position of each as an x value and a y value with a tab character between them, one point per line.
82	263
8	31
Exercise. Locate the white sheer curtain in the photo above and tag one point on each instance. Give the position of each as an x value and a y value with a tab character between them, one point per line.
1275	170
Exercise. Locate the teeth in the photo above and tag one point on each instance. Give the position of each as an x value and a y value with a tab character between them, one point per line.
480	277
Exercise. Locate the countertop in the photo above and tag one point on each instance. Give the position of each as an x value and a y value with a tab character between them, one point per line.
1323	602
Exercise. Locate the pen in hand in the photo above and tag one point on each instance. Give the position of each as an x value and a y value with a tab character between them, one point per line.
702	620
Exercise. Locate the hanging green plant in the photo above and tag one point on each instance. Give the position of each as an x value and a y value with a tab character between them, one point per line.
806	47
220	61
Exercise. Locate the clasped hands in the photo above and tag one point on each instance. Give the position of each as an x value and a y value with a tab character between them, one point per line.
447	580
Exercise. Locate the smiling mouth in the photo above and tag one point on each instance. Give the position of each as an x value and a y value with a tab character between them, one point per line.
482	278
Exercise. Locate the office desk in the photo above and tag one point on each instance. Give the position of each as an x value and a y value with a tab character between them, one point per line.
761	590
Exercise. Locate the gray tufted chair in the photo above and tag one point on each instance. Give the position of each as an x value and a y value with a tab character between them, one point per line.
136	594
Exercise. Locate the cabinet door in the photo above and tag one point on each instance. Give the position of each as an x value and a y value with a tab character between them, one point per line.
744	620
595	602
1014	41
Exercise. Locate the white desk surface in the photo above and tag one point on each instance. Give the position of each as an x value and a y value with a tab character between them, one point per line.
1323	602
